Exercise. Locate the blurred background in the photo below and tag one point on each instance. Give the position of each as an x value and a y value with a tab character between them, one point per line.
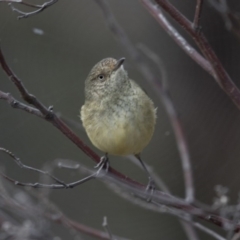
53	52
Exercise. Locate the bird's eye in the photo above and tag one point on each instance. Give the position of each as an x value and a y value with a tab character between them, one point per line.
101	77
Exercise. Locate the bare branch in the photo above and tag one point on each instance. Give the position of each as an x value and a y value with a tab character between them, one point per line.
50	186
45	211
83	228
197	15
60	184
157	197
236	236
220	74
31	99
22	3
21	165
106	227
39	8
208	231
177	37
19	105
185	218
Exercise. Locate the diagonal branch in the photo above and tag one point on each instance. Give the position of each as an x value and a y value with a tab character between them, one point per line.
19	105
159	199
20	2
220	74
21	165
39	8
177	37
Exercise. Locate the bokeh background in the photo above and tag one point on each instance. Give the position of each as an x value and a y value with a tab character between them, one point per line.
53	52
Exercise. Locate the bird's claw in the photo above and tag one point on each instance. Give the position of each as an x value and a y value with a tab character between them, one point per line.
104	163
150	188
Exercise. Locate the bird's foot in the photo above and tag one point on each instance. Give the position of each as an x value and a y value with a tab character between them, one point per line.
150	189
104	163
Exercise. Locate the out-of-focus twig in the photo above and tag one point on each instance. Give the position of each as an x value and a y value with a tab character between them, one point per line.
83	228
197	225
230	18
39	8
236	236
106	227
24	208
197	15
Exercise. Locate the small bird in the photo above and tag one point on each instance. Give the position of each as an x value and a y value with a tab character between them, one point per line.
118	115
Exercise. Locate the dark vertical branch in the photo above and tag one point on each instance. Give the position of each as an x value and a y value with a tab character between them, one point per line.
197	15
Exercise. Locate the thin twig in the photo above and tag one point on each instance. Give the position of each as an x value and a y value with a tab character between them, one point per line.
60	184
21	165
208	231
83	228
197	15
19	105
39	8
22	3
50	186
31	99
107	229
201	227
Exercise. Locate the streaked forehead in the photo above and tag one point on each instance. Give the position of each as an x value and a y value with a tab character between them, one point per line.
107	64
104	66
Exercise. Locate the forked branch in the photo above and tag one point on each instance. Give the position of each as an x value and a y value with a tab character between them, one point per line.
39	8
219	73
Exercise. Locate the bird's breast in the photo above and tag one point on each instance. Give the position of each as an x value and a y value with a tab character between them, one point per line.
121	127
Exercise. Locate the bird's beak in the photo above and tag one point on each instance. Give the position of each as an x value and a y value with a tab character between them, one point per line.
119	64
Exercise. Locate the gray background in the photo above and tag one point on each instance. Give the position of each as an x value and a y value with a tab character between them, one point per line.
53	66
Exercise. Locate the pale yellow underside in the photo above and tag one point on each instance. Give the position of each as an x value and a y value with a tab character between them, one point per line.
124	133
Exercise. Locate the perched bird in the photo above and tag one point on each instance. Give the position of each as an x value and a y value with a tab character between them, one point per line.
118	116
